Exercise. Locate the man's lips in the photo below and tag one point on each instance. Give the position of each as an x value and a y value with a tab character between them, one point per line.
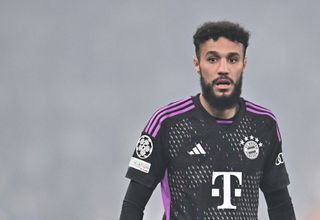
222	83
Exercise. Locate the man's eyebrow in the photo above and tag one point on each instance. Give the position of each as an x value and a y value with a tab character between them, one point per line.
233	54
215	53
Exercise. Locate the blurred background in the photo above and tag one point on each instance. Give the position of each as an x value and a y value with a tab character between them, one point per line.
80	79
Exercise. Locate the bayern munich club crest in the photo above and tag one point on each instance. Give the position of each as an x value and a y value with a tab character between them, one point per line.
251	147
144	147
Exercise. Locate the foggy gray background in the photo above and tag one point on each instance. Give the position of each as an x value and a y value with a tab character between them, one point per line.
80	79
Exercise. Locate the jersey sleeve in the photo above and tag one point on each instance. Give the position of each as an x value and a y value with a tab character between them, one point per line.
148	162
275	175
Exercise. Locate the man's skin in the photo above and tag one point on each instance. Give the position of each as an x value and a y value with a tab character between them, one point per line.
220	58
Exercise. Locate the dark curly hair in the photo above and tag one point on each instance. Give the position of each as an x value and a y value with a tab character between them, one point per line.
214	30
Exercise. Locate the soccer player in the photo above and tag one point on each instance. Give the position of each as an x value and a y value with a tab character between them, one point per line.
212	151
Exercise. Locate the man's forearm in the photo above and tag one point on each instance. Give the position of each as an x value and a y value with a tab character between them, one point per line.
280	205
135	201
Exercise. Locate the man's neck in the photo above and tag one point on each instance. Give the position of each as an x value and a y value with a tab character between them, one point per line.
219	113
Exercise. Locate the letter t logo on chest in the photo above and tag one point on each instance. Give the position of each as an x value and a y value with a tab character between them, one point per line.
226	188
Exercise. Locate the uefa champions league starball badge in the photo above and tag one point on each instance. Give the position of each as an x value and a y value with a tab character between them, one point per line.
144	147
251	147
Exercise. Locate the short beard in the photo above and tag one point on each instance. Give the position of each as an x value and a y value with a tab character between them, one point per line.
223	102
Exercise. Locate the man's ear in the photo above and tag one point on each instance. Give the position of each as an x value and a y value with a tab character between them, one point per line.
196	64
245	63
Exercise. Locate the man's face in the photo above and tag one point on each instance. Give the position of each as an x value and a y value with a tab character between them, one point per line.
221	66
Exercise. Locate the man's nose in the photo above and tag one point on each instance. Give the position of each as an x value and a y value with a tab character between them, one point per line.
223	67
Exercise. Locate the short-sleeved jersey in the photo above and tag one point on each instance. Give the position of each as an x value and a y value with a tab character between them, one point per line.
210	168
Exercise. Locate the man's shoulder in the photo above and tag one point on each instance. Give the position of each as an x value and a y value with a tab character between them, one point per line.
264	114
259	110
169	111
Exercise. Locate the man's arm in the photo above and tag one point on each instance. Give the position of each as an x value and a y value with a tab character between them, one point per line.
279	205
135	201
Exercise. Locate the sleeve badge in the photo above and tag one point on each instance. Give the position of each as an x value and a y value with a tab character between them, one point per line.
144	147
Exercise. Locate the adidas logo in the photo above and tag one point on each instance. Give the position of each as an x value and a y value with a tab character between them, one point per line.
197	150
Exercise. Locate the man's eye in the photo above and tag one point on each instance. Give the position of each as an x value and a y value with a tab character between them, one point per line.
233	59
212	59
